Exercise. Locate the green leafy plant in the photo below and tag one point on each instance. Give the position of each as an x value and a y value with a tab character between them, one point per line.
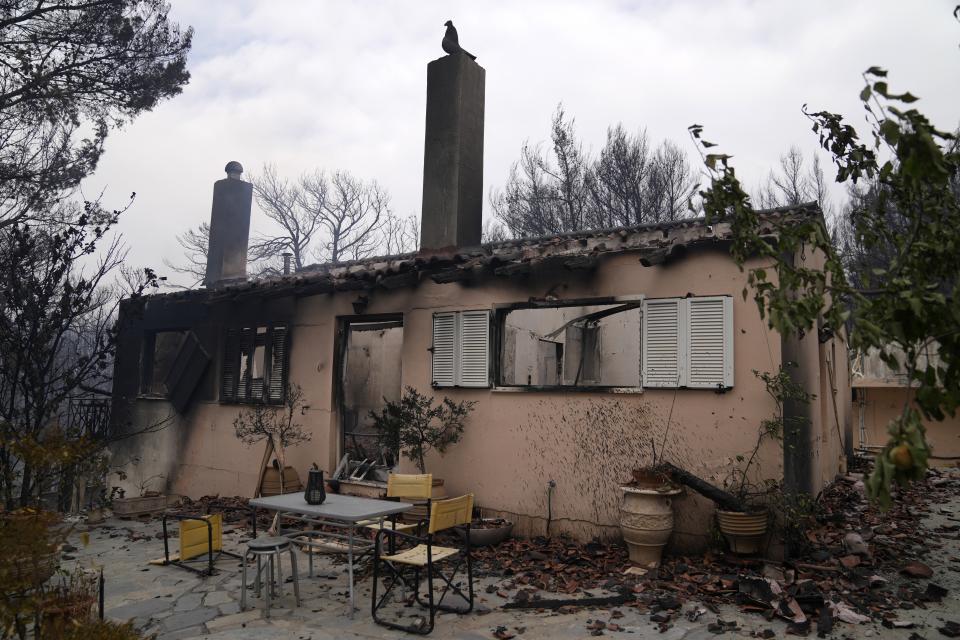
909	174
414	425
273	423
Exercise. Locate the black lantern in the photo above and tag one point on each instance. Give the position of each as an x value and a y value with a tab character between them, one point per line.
315	493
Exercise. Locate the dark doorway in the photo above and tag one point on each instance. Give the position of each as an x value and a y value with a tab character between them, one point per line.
370	375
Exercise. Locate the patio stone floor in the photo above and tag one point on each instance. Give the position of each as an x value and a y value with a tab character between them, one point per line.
174	603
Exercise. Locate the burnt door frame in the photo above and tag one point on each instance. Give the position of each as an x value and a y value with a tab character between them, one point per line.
340	363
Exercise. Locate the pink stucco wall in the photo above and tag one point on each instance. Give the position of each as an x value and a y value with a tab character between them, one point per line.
516	441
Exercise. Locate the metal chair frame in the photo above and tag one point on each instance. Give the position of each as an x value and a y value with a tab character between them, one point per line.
275	582
211	556
396	575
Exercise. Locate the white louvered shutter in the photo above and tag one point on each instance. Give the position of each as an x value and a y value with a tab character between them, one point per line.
474	349
710	342
662	343
444	349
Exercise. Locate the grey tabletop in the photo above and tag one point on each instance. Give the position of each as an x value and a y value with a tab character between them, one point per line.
335	507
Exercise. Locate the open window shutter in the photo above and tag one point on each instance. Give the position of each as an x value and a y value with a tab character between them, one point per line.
662	343
188	367
444	349
279	364
710	342
231	366
474	342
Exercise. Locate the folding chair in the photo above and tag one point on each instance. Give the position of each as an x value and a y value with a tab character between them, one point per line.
199	536
444	514
408	486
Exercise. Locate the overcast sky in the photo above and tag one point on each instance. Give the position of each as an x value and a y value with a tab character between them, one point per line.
341	85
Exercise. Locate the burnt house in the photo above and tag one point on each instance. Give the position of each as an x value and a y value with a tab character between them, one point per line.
584	352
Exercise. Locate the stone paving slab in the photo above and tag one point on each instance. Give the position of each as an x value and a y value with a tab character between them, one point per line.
175	603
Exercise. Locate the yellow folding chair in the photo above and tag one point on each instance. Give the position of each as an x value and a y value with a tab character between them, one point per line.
404	486
444	514
199	536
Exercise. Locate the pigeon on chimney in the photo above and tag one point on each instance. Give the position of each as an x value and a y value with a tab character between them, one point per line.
451	43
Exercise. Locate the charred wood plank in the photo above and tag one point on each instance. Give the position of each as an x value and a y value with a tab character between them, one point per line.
723	499
519	269
451	275
400	280
581	262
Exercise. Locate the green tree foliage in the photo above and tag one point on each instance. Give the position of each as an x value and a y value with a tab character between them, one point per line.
71	70
414	425
909	299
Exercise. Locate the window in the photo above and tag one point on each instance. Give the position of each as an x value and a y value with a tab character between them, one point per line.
669	343
581	345
461	349
255	364
173	363
159	352
688	342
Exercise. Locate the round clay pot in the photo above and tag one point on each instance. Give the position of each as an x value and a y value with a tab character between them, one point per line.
743	531
646	521
487	537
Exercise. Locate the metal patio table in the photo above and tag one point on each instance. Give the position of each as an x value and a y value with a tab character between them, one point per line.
342	512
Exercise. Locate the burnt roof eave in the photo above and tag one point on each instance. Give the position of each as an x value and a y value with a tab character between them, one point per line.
655	242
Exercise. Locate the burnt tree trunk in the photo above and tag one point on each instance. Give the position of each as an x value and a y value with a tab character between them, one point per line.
723	499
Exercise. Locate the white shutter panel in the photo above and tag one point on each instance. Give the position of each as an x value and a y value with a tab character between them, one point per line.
710	342
662	343
474	343
444	349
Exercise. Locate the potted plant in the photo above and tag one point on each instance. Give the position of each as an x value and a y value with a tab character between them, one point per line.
275	425
415	425
486	532
745	527
646	515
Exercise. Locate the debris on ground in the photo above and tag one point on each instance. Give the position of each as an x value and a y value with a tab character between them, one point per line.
843	569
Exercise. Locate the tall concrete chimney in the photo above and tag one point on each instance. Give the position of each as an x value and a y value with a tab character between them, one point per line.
453	154
229	227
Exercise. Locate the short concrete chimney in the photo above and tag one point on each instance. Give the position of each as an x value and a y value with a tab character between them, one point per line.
453	154
229	227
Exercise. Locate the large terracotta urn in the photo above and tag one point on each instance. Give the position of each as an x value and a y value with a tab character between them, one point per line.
646	520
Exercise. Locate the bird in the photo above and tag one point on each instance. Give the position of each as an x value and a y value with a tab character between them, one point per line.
451	43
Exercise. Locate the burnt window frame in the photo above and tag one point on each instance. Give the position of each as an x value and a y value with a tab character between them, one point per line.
148	347
498	319
243	339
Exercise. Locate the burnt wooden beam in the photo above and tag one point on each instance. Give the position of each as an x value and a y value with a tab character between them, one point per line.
581	262
519	269
353	285
723	499
654	257
400	280
451	275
